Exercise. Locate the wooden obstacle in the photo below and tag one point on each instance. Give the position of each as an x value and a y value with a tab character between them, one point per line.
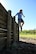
8	28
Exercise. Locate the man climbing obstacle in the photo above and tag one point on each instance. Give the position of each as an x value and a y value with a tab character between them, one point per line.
20	20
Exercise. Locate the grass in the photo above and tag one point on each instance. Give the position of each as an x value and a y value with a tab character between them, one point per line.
27	35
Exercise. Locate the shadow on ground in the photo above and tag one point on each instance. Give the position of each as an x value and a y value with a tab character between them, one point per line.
20	48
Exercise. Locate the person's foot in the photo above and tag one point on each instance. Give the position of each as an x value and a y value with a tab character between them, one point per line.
22	24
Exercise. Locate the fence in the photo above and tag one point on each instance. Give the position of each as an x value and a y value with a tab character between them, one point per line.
8	28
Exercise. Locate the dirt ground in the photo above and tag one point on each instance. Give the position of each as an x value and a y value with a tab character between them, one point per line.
28	40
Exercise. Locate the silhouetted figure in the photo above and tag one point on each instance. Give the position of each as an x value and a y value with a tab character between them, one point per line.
20	20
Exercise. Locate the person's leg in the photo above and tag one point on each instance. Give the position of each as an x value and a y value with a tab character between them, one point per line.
19	22
22	22
20	26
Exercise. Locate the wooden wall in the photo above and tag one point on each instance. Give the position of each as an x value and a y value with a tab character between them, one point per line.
8	28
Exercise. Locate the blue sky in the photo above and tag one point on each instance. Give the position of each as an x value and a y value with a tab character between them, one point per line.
29	10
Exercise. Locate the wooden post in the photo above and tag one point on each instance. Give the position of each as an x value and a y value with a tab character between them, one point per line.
14	30
16	39
9	29
18	32
15	43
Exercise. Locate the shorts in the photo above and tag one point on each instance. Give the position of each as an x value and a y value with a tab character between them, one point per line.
20	20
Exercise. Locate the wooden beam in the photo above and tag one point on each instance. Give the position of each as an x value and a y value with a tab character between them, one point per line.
9	29
3	29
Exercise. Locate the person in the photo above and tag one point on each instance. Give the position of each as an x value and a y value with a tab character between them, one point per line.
20	20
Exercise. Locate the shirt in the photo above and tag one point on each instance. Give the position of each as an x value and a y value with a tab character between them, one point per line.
19	15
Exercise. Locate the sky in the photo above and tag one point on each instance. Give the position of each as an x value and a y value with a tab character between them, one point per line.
29	10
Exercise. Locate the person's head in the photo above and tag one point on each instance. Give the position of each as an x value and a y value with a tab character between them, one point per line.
20	11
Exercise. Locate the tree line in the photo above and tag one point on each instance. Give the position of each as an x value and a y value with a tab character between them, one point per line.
29	31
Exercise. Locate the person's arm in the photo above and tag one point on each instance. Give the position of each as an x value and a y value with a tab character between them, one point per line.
23	15
16	14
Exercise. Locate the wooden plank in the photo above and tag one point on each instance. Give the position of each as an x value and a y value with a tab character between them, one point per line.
3	34
2	26
3	18
1	12
3	9
3	38
1	29
2	22
2	42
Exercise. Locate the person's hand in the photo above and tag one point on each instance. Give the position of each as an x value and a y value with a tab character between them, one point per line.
24	16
